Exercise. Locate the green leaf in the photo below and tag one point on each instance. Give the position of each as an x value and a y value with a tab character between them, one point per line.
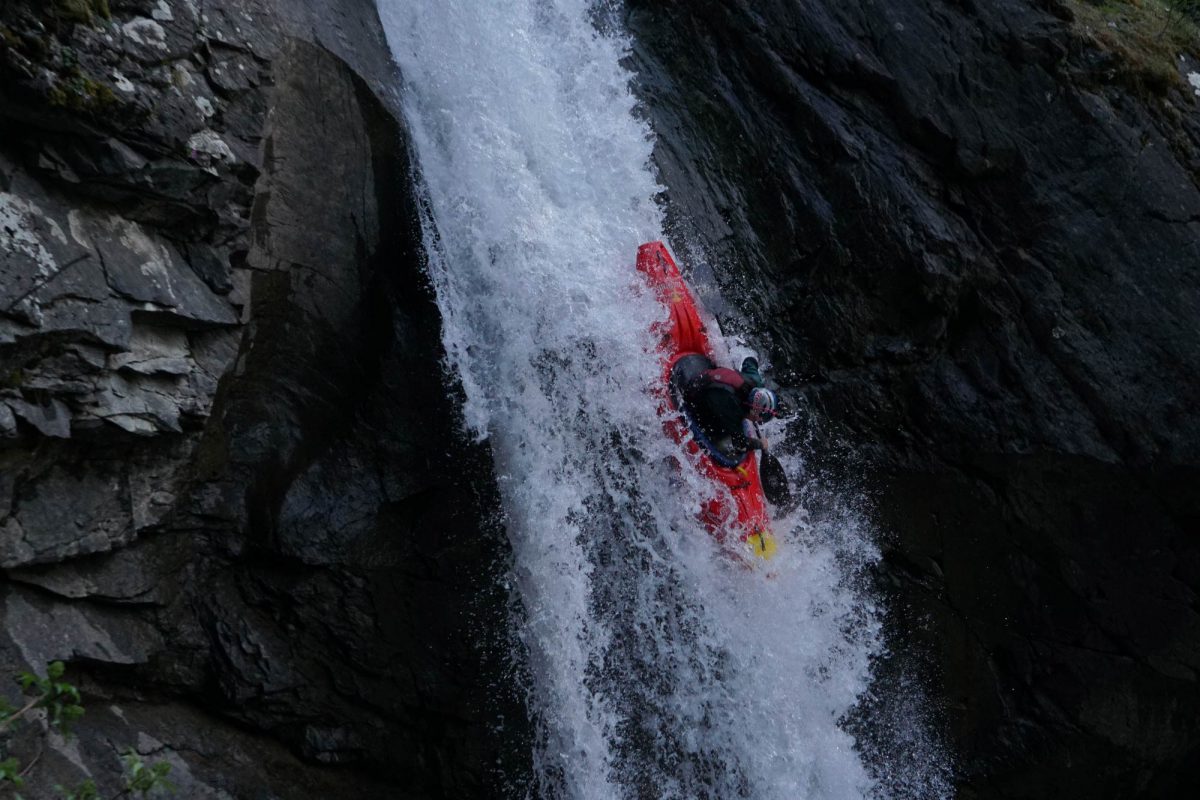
143	778
55	670
85	791
10	770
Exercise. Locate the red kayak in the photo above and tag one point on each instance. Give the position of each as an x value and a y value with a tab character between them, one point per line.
686	353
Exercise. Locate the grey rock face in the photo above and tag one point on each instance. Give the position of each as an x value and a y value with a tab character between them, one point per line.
221	503
972	247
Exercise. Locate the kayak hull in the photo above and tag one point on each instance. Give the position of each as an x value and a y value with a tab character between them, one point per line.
682	335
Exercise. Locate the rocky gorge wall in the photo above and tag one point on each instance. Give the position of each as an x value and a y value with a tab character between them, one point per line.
230	496
966	236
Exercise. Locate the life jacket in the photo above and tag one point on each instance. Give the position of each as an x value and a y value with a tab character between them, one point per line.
723	376
716	402
717	379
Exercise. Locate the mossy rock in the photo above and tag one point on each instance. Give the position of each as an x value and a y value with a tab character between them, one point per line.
84	11
8	38
1145	37
12	379
79	92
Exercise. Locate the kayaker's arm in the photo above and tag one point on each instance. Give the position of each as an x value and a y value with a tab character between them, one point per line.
749	437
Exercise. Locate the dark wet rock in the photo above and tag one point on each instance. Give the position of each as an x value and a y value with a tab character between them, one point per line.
49	419
208	761
142	575
972	252
221	501
210	266
58	515
43	630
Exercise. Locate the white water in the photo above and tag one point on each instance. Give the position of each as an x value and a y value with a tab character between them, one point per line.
658	667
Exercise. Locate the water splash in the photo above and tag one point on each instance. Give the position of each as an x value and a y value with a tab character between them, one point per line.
658	667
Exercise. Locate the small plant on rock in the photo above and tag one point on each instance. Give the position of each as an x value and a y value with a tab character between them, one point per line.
142	778
10	772
60	699
85	791
63	707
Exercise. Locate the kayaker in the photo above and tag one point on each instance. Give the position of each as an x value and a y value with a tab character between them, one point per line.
722	401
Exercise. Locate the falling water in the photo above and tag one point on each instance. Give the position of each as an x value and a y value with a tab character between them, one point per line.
658	666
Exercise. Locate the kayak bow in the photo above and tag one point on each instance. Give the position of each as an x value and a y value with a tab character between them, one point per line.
686	351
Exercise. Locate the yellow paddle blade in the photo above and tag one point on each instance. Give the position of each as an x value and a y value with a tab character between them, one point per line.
762	544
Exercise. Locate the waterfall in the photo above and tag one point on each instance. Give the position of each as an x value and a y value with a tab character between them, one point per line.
659	667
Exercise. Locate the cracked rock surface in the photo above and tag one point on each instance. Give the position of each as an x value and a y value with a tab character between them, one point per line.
258	550
970	241
969	233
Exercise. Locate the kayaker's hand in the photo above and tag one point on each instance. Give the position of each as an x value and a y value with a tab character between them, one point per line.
762	443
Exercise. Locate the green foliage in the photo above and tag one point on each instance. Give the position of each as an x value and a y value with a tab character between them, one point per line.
84	791
1144	38
60	699
10	771
64	706
142	778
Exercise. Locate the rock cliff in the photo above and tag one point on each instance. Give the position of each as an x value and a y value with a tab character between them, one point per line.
967	235
230	497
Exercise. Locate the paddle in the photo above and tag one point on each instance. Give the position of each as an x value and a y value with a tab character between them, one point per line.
774	479
770	472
